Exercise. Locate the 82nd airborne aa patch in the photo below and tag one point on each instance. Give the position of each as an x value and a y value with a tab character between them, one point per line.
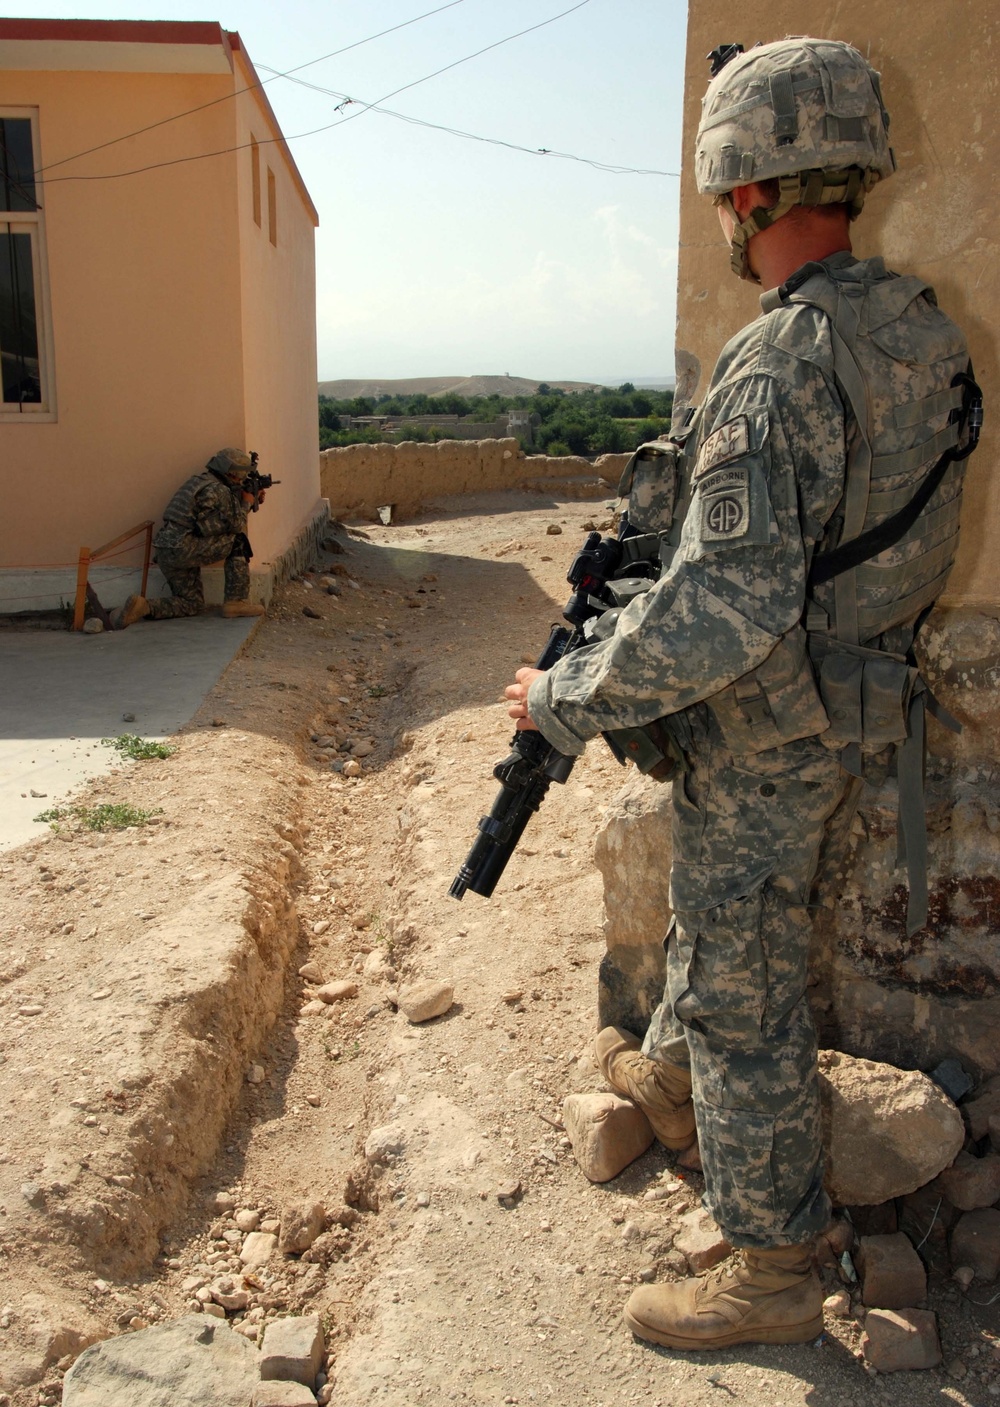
725	505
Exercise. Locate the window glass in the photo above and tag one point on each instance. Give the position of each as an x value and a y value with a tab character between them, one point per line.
19	369
17	166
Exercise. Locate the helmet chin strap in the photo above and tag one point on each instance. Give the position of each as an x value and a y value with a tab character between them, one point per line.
809	188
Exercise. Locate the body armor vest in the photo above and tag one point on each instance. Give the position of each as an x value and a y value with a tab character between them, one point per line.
179	512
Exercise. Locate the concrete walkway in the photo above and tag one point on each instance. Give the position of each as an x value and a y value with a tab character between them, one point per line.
62	693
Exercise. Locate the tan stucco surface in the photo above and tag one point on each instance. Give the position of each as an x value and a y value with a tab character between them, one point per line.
935	217
177	326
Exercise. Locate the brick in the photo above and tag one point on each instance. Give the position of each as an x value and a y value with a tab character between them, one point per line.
970	1182
892	1274
607	1133
900	1340
282	1394
292	1350
701	1242
975	1242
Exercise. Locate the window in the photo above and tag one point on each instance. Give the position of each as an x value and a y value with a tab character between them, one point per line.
255	178
272	208
25	377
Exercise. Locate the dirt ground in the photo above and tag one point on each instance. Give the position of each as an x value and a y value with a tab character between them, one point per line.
157	1077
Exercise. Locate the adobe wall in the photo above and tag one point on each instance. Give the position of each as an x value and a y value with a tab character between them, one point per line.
877	993
358	479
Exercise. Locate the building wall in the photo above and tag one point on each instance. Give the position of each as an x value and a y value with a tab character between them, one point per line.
148	369
278	297
933	218
177	326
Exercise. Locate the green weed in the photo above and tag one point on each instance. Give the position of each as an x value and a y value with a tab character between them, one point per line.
137	749
108	816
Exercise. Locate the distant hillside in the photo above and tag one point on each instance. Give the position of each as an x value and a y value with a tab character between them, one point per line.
467	386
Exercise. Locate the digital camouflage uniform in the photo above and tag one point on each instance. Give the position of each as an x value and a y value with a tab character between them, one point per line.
719	646
204	522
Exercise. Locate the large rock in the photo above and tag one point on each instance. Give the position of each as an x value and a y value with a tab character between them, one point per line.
899	1341
292	1350
892	1274
607	1133
886	1131
975	1242
970	1182
187	1363
700	1241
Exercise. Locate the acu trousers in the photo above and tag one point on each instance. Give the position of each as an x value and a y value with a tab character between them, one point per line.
750	833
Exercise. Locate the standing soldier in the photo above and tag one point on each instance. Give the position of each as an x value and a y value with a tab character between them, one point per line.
818	494
204	522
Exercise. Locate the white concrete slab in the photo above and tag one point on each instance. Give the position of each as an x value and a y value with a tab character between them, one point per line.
62	693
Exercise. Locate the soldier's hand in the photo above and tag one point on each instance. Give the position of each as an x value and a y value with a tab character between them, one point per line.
518	695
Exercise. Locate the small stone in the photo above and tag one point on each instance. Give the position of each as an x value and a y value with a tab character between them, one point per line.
898	1340
423	1001
320	928
224	1292
292	1350
313	1100
247	1219
271	1226
975	1242
301	1223
101	995
128	717
553	530
33	1194
970	1182
218	722
606	1132
337	991
311	972
93	626
258	1248
215	1310
32	1010
311	613
313	1008
423	1199
892	1274
838	1305
352	768
956	1369
363	748
384	1145
700	1242
963	1275
255	1075
508	1191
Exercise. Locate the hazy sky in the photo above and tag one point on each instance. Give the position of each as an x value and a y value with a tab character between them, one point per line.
438	255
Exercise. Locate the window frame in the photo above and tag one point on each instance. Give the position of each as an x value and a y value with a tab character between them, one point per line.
32	223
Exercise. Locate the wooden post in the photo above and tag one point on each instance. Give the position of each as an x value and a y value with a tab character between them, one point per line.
81	588
145	560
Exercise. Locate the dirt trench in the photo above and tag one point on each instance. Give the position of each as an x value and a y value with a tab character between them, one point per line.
171	1078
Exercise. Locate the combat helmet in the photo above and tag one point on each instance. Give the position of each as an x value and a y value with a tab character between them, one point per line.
232	465
807	112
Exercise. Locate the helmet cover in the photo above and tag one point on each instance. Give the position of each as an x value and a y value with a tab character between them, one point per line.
232	464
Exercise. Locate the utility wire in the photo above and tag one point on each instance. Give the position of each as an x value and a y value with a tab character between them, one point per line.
474	136
228	97
269	141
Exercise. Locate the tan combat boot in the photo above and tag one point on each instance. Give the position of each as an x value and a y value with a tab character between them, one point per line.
771	1296
232	609
135	608
662	1092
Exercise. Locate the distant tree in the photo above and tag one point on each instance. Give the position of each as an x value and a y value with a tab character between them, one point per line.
626	388
543	389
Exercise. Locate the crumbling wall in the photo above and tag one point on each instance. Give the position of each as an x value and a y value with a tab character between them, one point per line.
357	479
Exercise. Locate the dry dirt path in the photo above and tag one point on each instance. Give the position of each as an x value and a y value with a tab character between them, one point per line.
432	1289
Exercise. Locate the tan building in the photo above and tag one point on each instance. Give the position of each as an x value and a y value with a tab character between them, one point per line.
879	993
157	294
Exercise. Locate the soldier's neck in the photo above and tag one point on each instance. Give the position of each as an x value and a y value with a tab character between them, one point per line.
777	252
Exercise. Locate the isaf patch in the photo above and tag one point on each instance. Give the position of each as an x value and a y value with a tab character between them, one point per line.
730	441
725	505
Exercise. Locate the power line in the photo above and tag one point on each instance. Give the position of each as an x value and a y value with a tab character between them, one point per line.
476	137
315	131
228	97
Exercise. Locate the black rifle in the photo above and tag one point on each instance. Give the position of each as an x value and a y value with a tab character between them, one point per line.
533	764
255	482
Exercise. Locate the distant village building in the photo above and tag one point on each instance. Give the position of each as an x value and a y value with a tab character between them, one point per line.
157	293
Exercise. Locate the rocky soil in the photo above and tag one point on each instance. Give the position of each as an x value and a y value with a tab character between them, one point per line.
213	1101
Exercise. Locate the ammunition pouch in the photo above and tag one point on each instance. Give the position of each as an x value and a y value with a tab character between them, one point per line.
653	748
866	693
778	702
649	481
241	547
